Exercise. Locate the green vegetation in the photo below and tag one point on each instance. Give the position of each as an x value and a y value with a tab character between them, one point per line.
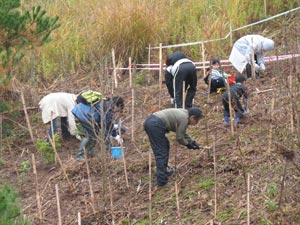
21	29
10	212
91	29
207	184
46	149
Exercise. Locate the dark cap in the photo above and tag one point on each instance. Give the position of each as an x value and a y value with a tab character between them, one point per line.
196	112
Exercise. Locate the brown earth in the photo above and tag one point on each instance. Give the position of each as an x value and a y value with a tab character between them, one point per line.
263	150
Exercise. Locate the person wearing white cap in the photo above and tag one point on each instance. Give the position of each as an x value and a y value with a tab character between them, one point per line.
241	52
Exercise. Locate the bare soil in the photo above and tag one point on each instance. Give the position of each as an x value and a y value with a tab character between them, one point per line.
263	153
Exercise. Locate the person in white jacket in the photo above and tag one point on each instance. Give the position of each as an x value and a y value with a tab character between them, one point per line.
55	105
241	53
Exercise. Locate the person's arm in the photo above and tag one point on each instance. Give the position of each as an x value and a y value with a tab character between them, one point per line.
182	137
169	83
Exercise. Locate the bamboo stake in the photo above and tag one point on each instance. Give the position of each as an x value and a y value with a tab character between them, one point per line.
248	200
130	72
252	61
79	218
291	107
230	29
111	202
150	188
271	124
90	181
123	157
215	175
183	94
177	202
206	129
38	197
26	116
60	163
52	134
58	205
265	7
149	62
132	101
231	116
114	68
282	183
160	75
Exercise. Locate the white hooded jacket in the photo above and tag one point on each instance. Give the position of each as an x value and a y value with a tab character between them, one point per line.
241	52
56	105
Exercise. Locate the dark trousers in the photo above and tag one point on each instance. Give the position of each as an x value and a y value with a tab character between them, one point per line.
187	73
64	127
249	69
156	131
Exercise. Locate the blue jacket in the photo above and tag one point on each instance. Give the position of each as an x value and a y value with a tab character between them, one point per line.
92	113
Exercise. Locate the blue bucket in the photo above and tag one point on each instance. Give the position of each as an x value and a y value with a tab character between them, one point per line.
117	152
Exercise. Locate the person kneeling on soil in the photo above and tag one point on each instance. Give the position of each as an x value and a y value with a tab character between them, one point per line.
236	92
162	122
218	79
89	116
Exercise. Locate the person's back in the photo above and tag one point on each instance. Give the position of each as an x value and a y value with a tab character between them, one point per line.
56	105
180	69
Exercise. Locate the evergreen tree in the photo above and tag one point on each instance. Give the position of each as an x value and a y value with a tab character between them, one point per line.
10	212
20	29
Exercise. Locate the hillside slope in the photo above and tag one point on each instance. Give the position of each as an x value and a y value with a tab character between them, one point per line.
263	150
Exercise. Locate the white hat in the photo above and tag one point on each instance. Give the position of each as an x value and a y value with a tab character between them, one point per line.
268	44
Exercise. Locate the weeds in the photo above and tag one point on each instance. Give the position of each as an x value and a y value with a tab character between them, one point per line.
46	149
10	212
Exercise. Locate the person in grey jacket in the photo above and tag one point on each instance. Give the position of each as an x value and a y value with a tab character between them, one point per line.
180	69
162	122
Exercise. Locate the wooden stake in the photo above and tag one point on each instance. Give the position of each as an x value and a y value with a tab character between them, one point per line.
282	183
58	205
125	167
111	202
160	75
183	94
248	200
38	197
132	101
231	116
177	202
215	175
150	187
26	116
252	61
271	124
79	218
60	163
114	68
90	181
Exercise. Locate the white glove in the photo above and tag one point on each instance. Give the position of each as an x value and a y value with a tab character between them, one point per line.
116	126
119	139
172	100
257	67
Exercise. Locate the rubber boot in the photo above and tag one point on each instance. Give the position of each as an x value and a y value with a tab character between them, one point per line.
226	121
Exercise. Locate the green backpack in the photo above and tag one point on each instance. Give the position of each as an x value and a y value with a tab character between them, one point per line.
89	97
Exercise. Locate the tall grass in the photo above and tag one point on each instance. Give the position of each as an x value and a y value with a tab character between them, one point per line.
91	28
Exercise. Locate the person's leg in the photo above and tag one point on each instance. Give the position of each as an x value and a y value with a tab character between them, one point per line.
88	142
54	124
190	77
156	130
248	70
64	127
226	109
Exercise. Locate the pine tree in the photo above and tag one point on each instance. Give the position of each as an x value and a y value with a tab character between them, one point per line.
20	29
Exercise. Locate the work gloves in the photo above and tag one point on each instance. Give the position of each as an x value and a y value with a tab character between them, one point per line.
193	145
172	101
259	68
119	139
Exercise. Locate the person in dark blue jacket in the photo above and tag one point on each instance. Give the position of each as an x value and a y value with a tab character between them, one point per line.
91	117
237	91
180	69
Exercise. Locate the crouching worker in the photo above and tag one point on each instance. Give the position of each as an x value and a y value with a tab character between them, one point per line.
162	122
90	115
59	105
236	92
218	79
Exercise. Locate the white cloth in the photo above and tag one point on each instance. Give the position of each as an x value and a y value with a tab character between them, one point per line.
59	104
216	74
242	49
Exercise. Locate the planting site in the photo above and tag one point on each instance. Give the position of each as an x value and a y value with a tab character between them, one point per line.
248	174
